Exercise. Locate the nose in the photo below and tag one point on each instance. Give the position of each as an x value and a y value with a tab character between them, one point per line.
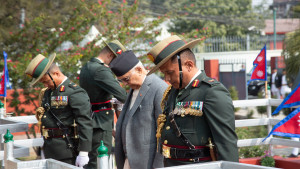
167	78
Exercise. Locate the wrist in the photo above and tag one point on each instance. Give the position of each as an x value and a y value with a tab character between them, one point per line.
83	153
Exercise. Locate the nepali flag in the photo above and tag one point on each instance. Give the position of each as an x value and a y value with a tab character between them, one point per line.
293	99
289	126
260	66
5	78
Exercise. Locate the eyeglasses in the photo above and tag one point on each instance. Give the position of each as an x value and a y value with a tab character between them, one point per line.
125	79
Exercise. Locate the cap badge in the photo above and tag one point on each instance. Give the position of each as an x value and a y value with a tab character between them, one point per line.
119	51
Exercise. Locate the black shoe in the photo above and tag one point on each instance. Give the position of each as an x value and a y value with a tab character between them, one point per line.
292	156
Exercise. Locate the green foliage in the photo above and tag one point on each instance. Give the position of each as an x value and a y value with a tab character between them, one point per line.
263	109
223	18
34	38
234	95
250	114
267	161
291	54
252	132
120	21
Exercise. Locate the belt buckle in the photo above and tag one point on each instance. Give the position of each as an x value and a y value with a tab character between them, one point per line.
166	151
45	133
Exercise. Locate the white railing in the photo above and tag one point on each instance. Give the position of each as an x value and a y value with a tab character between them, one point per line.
269	121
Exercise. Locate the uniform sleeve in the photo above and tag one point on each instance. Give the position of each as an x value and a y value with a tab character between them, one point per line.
219	112
80	104
105	80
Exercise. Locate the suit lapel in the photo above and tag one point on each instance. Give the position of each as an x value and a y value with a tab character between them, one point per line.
143	91
124	111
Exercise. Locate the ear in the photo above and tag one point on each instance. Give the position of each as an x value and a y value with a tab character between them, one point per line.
138	69
189	64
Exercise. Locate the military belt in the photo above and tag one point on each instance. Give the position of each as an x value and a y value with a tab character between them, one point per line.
101	106
200	153
55	132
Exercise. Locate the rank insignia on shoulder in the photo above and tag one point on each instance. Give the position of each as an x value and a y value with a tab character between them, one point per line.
62	88
211	80
195	83
71	84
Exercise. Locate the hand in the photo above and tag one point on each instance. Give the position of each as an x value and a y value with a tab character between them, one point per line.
114	133
81	160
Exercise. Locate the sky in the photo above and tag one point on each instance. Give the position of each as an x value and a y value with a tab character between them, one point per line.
258	2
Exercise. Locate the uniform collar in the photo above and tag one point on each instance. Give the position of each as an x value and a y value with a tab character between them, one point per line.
194	77
62	81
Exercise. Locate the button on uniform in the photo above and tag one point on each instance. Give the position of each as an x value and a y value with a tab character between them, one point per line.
168	128
166	142
107	112
45	116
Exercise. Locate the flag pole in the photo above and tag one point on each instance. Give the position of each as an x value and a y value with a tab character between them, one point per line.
266	89
5	105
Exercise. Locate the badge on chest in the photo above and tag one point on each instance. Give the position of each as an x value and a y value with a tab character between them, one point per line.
193	108
59	101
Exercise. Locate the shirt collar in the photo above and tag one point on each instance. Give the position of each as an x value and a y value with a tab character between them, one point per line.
63	81
194	77
100	60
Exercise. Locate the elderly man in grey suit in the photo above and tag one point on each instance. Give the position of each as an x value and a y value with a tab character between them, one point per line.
135	141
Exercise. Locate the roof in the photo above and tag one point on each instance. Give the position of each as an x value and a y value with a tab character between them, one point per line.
283	26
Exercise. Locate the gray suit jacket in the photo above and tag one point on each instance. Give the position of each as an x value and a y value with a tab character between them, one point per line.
141	127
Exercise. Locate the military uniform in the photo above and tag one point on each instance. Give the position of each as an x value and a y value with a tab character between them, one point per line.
97	79
70	104
202	111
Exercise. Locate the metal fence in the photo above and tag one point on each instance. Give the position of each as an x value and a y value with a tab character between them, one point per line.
235	43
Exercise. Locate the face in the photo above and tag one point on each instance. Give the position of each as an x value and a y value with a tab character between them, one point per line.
47	82
171	72
132	78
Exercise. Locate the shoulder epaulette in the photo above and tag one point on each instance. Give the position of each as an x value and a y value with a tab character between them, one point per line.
73	85
211	81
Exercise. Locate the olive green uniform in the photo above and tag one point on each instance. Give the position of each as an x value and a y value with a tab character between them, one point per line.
100	84
69	103
213	117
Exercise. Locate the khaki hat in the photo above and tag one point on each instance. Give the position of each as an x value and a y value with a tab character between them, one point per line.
116	47
38	67
167	48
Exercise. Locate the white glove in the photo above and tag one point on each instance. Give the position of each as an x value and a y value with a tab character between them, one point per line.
42	154
118	103
82	159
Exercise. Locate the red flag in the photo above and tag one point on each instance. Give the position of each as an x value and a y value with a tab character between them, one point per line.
260	66
289	126
293	99
2	85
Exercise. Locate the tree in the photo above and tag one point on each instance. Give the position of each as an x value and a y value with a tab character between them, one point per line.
291	50
114	21
223	18
11	13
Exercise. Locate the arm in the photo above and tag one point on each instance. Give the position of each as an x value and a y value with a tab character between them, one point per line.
80	104
105	80
219	112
